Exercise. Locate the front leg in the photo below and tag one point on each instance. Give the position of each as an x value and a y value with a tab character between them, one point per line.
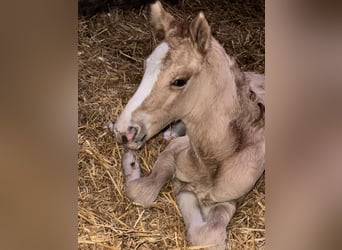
144	190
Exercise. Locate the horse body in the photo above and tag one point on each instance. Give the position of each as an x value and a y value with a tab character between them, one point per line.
189	77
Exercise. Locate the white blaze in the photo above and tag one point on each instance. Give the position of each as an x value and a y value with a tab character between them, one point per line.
152	70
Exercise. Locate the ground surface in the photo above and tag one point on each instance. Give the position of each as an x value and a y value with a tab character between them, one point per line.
111	50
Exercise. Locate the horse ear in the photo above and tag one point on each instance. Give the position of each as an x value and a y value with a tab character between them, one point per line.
160	19
200	33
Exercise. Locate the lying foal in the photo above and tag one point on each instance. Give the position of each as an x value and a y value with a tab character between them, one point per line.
189	77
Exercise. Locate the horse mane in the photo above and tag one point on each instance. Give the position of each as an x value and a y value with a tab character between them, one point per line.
250	112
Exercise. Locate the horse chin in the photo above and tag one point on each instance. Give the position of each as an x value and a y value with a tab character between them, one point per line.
135	145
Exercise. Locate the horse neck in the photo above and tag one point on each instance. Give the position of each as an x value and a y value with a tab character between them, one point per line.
208	121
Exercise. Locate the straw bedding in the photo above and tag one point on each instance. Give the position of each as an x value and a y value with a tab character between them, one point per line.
111	49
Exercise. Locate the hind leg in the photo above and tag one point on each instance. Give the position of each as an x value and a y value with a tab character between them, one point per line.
188	205
176	129
210	233
144	190
213	232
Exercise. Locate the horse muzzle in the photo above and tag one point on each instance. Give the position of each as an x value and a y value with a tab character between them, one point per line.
133	137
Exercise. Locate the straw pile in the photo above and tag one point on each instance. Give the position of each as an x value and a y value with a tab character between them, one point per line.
111	50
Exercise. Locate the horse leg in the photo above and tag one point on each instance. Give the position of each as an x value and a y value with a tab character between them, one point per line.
176	129
214	232
210	233
190	209
144	190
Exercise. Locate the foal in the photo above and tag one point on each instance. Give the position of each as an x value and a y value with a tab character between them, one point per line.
189	77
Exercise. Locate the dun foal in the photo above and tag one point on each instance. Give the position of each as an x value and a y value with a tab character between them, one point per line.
189	77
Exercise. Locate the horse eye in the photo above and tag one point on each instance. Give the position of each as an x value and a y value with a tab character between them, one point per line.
179	82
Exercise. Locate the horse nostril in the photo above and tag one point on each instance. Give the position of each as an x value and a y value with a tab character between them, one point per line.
133	131
124	139
130	128
128	136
